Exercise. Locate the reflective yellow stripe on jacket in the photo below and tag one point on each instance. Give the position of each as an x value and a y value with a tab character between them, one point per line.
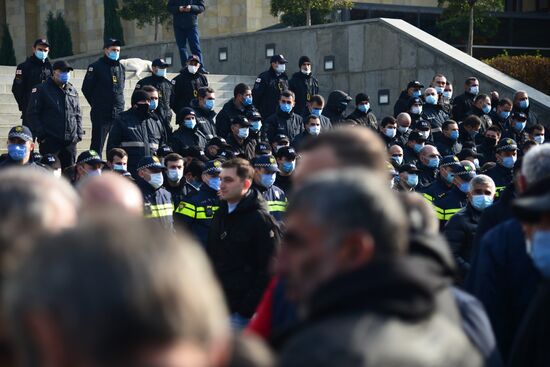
499	189
196	212
186	209
276	206
445	214
161	210
430	198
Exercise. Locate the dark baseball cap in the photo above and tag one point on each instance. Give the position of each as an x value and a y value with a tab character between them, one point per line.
160	63
263	148
415	135
164	150
51	160
266	161
241	120
193	58
253	115
422	125
111	42
450	161
213	166
408	167
89	157
506	145
151	163
279	59
468	152
21	132
415	84
464	171
281	138
216	140
286	152
227	154
519	116
414	100
41	41
62	65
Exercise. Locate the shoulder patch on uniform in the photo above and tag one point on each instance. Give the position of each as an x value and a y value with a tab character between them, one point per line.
138	86
91	68
33	90
271	234
173	82
258	80
18	72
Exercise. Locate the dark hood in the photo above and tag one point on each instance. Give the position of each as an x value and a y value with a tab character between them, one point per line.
335	98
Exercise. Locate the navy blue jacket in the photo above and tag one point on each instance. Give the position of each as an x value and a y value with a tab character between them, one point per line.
158	205
185	20
276	200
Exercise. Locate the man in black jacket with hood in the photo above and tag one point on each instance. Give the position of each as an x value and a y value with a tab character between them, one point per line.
336	106
304	85
413	91
187	85
242	241
363	114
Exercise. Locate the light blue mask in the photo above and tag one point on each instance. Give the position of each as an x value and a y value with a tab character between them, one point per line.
416	94
161	73
431	99
464	187
447	94
540	252
153	104
65	77
397	159
363	107
285	107
412	180
41	55
481	202
439	90
244	132
209	104
523	104
433	163
288	167
486	109
314	130
474	90
418	147
113	55
316	111
454	135
509	162
450	177
268	179
504	114
247	101
214	183
17	152
190	123
390	132
256	126
519	126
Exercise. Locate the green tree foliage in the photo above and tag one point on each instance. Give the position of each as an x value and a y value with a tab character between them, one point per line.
146	12
532	70
306	12
113	27
453	24
7	54
59	36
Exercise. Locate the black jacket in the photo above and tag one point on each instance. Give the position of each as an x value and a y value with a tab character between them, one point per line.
300	140
460	231
402	103
158	205
267	90
485	118
501	175
186	88
181	191
435	190
185	20
138	135
336	107
103	88
165	88
276	200
241	246
229	111
326	125
436	116
54	113
183	138
488	153
205	119
246	148
284	183
446	146
508	132
303	86
27	75
367	119
426	175
461	105
409	155
532	119
289	124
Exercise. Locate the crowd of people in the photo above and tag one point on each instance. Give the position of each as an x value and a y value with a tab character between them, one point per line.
338	239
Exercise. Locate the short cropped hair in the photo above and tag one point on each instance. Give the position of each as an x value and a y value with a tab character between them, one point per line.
244	169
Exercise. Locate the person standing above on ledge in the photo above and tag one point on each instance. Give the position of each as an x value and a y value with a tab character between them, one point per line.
186	28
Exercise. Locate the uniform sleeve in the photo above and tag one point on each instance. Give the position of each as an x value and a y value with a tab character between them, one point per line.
173	96
79	129
18	87
115	136
258	91
198	7
89	83
34	110
172	7
222	124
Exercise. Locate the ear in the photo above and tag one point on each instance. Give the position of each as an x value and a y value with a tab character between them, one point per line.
356	249
247	183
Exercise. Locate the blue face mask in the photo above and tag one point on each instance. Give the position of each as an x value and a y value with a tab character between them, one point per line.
161	73
509	162
540	252
450	177
209	104
244	132
433	163
519	126
17	152
214	183
256	125
268	179
486	109
523	104
412	180
153	104
474	90
65	77
41	55
190	123
447	94
390	132
439	90
416	94
481	202
504	114
464	187
431	99
397	159
316	111
363	107
285	107
113	55
418	147
454	135
247	101
288	167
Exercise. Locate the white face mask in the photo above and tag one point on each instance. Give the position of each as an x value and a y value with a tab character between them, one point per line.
281	68
417	110
156	180
192	69
424	134
306	71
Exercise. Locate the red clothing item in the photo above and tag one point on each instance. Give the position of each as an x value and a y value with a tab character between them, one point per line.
260	324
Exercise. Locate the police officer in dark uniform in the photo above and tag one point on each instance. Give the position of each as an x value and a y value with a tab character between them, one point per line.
103	88
188	134
256	125
20	148
164	88
269	86
137	131
407	179
304	85
157	201
54	115
444	181
456	198
240	104
187	85
447	140
34	70
265	174
412	148
196	212
284	120
363	115
204	110
240	140
175	182
286	159
515	128
502	174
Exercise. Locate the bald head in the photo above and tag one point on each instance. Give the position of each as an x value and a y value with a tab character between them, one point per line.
395	149
429	151
111	191
404	119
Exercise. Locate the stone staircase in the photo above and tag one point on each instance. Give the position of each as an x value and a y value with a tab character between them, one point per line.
10	115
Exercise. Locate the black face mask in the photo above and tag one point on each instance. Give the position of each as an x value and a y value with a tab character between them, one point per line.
143	109
490	141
